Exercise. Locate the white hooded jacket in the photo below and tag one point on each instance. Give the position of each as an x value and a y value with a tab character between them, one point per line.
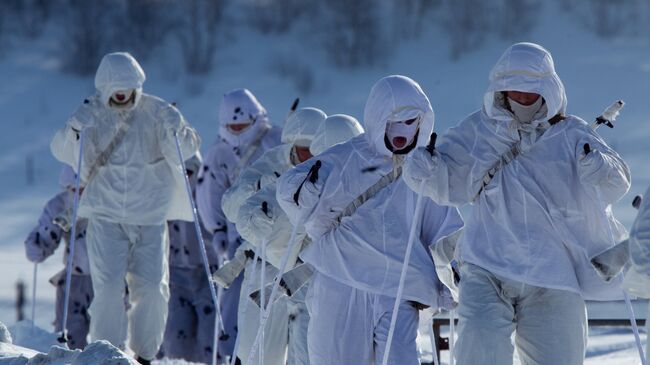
366	249
223	161
274	226
300	125
545	214
257	184
142	182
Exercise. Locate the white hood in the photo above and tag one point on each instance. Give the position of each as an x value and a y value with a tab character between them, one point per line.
302	125
525	67
239	106
336	129
118	71
396	98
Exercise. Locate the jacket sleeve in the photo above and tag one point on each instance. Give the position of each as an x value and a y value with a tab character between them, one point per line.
247	184
254	224
45	238
171	123
212	182
602	167
453	174
66	142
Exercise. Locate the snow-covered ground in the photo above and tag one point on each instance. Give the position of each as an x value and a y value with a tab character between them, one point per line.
36	98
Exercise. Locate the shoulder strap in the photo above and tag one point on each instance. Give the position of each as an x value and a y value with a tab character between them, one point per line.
507	157
103	156
383	182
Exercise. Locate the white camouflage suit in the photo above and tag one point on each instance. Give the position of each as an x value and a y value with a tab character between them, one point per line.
534	227
358	260
127	199
637	279
224	161
41	243
190	324
256	187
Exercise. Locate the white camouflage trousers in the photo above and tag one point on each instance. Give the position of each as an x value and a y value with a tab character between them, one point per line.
139	255
550	325
190	325
276	329
350	326
81	295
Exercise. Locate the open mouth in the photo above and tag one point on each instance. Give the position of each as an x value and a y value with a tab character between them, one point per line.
399	142
120	97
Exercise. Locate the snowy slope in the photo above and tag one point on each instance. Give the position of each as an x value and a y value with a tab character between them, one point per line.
37	98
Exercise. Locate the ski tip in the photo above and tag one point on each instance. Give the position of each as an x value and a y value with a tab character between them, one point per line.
294	106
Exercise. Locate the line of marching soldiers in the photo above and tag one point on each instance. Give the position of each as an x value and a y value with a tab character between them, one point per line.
334	206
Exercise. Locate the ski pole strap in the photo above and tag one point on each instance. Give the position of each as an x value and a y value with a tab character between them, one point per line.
312	176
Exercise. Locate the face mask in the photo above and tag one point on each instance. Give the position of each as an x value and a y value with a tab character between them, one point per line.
401	134
525	113
239	128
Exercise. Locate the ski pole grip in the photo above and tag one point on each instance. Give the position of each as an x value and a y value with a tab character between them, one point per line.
636	203
312	176
295	104
432	143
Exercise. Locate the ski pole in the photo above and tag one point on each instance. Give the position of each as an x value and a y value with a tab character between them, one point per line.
34	296
276	283
262	302
63	338
407	257
248	289
434	341
452	335
636	203
635	329
647	327
312	176
609	115
204	254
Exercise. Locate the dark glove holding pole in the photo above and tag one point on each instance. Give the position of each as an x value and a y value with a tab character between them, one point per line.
421	164
262	220
432	143
265	208
586	148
